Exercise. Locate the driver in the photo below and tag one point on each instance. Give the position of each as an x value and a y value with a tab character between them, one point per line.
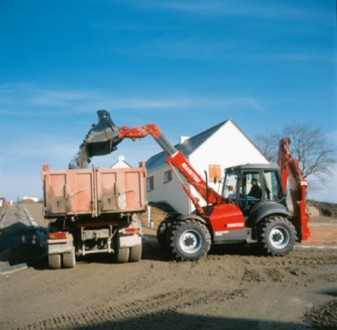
255	190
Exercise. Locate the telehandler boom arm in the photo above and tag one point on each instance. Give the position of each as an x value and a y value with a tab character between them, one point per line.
105	136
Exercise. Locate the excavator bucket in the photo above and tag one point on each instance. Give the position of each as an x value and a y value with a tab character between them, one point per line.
103	137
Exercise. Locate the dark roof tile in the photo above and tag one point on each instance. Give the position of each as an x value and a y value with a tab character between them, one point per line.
187	147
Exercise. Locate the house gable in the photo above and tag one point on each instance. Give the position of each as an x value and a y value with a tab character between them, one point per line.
121	163
189	146
227	146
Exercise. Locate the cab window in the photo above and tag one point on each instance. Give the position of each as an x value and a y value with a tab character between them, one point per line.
273	186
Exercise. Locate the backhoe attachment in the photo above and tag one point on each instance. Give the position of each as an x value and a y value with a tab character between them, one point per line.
103	138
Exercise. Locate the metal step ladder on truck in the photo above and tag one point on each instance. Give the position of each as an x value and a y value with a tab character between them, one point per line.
238	217
94	211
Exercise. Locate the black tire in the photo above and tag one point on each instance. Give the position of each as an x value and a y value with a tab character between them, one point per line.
277	236
68	259
54	261
162	232
135	253
189	240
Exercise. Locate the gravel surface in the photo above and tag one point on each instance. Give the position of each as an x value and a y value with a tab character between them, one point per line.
231	288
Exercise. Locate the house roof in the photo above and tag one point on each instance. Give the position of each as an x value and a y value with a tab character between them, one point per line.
121	160
187	147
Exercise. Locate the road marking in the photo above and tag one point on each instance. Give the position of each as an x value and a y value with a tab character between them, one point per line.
41	237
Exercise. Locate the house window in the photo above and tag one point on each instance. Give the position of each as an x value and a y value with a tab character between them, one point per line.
150	183
214	172
167	176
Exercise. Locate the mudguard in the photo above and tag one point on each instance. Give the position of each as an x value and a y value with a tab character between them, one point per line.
194	217
264	209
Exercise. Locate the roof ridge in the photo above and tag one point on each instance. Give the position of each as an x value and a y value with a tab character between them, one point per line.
187	147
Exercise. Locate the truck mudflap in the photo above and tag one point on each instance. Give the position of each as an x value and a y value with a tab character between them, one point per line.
61	251
129	248
61	244
132	235
130	241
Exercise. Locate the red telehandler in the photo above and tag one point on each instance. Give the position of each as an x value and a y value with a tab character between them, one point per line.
234	216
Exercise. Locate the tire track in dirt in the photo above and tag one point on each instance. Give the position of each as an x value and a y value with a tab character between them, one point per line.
161	304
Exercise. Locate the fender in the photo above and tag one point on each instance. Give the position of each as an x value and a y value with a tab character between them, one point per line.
264	209
173	215
193	217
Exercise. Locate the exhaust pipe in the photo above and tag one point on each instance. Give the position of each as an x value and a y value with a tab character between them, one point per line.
103	137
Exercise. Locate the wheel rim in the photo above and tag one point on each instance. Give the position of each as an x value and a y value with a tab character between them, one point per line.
279	237
190	241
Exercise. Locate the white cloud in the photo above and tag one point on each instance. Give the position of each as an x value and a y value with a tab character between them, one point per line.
29	100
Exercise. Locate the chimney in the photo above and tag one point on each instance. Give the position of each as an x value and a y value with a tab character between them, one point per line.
182	139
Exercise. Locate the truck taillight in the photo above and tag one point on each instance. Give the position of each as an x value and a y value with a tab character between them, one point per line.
131	230
58	235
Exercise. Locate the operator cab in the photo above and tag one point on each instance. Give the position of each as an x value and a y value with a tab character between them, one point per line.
249	185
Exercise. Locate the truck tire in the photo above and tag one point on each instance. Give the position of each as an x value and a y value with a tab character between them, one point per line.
189	240
68	259
122	255
135	253
277	236
162	232
54	261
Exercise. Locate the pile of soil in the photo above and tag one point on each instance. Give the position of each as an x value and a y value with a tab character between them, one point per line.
323	316
158	212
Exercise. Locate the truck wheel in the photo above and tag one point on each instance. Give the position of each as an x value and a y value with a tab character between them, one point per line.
122	255
162	232
135	253
69	259
189	240
277	236
54	261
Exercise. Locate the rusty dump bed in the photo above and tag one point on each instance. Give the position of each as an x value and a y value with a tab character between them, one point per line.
93	192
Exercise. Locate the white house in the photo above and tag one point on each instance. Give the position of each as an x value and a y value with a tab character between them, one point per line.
213	150
121	163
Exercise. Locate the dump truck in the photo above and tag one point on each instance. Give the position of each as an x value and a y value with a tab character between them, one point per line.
235	215
94	210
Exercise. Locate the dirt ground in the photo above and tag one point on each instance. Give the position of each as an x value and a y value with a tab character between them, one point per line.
231	288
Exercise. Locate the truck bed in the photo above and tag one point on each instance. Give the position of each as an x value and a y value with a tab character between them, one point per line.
94	191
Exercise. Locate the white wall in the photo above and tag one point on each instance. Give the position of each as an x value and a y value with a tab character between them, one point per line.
170	192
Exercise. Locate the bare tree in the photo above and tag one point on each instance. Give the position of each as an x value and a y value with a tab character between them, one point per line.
316	156
267	144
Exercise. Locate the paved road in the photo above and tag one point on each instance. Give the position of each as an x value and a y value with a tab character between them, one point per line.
22	240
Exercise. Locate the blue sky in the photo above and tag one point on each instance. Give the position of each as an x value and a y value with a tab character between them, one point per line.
184	65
